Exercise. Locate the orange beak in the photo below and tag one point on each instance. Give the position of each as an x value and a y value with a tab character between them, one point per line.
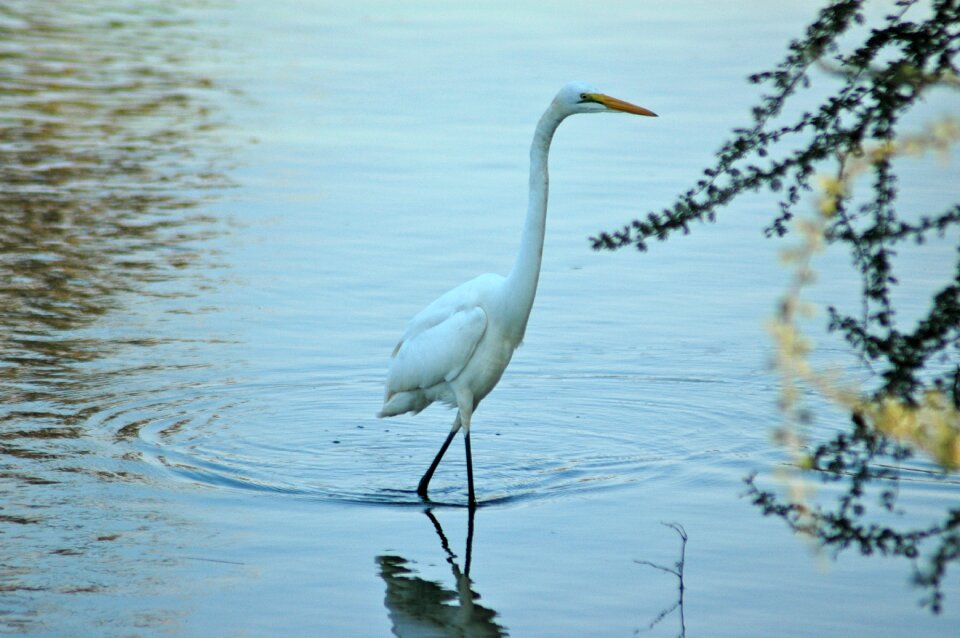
620	105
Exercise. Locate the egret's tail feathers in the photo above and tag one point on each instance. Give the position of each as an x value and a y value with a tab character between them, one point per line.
403	402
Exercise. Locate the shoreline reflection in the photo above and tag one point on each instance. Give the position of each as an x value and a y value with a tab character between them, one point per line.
107	156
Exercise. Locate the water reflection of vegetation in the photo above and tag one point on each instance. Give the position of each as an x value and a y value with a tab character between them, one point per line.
101	147
420	607
677	571
106	150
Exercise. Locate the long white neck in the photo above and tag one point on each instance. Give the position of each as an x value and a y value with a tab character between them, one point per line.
521	283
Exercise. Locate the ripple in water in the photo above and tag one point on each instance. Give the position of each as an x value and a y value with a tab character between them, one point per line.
251	436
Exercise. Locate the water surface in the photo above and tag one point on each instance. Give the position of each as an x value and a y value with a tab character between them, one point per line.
218	217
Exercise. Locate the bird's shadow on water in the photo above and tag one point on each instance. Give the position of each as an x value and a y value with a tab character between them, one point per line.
420	607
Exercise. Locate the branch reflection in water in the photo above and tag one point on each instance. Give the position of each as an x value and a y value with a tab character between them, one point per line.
676	570
420	607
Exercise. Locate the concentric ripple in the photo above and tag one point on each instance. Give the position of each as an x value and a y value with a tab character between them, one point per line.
319	440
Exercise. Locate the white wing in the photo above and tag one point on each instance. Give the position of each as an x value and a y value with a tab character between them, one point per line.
436	352
440	340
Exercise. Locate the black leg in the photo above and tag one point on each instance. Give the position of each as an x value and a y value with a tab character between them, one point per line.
425	481
466	442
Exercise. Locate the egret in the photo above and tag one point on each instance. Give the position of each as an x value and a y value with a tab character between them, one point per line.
456	349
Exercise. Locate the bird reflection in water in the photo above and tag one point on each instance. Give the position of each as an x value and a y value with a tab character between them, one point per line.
420	607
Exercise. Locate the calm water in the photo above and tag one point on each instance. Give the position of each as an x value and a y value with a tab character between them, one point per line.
217	217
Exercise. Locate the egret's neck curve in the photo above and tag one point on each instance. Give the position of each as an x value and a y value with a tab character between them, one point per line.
521	283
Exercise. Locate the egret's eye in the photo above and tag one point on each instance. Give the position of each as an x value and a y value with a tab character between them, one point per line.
583	97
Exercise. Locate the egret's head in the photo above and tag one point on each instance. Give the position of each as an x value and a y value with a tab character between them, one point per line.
580	97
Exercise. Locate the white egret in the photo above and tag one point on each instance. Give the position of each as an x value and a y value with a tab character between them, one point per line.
456	349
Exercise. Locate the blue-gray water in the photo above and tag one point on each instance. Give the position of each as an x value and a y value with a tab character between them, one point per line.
218	217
